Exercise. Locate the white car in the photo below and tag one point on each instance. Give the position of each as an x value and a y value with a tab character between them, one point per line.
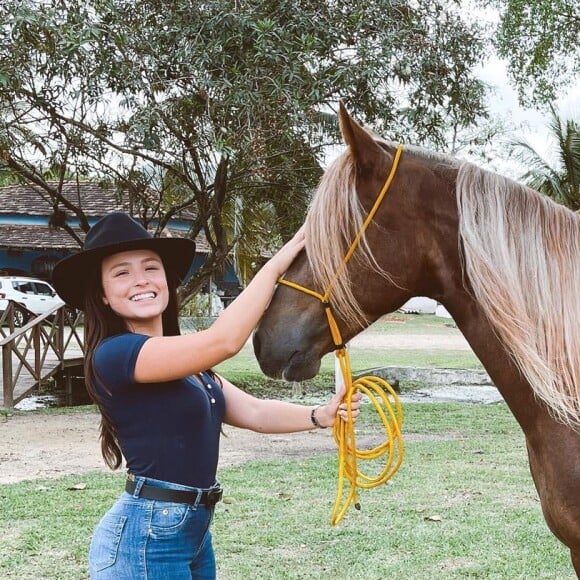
35	295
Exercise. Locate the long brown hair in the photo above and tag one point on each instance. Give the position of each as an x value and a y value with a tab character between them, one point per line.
100	323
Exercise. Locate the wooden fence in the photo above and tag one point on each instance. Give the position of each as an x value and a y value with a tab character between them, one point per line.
46	346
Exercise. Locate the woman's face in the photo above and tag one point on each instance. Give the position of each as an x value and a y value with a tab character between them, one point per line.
135	287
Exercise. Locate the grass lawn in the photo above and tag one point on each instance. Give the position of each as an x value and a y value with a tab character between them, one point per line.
244	370
462	506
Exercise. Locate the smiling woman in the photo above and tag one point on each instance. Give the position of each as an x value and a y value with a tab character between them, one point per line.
135	287
138	364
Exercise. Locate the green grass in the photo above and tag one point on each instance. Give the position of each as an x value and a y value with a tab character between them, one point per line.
398	323
464	463
244	370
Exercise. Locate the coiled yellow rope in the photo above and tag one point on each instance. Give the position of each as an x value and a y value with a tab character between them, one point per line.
375	388
378	391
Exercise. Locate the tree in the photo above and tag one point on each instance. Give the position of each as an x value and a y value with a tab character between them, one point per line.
539	40
559	181
205	107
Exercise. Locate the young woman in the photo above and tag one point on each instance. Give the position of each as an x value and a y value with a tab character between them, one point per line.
161	407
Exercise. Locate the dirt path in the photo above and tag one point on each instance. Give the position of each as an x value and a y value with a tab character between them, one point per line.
410	341
43	446
38	446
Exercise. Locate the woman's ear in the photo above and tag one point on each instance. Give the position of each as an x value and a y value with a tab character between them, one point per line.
105	301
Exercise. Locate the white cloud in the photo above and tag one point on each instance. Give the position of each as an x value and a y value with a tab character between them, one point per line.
523	123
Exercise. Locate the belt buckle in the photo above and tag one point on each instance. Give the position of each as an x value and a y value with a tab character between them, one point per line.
214	495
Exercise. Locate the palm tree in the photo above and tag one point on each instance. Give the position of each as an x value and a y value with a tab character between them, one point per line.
559	181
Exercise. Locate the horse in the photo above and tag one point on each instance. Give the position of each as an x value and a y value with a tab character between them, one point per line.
501	258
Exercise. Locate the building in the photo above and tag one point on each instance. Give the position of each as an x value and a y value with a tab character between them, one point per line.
30	247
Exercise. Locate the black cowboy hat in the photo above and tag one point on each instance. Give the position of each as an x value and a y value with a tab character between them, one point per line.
116	232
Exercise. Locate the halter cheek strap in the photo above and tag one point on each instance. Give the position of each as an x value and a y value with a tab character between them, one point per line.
334	330
376	389
324	298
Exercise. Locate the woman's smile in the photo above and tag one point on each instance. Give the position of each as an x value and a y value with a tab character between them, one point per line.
135	287
143	296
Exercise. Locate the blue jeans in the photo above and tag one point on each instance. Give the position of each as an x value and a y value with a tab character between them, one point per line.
145	539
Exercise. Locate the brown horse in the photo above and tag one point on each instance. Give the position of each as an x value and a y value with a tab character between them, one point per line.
503	260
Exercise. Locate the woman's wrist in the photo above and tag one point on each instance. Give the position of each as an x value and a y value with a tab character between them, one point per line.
315	419
271	271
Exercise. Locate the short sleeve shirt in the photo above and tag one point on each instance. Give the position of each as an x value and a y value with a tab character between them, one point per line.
168	431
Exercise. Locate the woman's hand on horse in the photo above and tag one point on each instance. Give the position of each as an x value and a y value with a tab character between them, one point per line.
286	254
337	408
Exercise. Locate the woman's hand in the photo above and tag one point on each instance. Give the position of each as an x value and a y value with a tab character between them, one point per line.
326	414
285	255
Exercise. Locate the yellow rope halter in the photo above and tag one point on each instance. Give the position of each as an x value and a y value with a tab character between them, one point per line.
375	388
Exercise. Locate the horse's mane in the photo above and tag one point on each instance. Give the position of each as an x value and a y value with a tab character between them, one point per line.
327	239
521	257
521	254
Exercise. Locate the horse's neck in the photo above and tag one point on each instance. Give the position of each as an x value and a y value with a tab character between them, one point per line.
444	280
513	387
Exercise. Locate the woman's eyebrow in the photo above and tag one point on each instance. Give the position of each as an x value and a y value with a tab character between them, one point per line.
117	265
125	264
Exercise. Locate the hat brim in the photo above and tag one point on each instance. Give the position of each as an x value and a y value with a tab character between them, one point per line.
70	275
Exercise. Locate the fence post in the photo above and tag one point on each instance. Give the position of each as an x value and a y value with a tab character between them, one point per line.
297	389
8	390
60	333
36	340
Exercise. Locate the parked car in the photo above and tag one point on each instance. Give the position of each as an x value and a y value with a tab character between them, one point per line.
35	295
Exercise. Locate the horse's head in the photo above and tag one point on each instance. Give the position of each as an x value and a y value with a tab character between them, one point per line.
390	264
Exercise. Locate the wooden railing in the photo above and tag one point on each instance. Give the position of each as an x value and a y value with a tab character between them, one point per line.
37	350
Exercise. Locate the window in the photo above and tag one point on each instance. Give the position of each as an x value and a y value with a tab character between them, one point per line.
43	289
24	287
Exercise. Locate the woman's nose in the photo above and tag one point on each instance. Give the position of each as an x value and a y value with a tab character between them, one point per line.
141	278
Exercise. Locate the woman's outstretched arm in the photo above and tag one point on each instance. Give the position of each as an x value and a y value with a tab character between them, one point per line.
165	358
272	416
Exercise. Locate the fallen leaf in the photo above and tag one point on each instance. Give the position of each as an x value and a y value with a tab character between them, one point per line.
77	487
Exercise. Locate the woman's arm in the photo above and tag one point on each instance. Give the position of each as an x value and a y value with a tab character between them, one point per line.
165	358
271	416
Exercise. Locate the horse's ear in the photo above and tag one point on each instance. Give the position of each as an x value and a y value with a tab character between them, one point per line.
364	148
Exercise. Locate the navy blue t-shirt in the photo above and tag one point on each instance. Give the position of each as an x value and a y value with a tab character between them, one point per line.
168	431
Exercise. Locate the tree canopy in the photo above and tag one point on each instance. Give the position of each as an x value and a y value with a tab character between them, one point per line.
539	40
558	178
221	108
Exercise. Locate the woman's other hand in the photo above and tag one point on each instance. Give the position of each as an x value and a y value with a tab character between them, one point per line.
326	414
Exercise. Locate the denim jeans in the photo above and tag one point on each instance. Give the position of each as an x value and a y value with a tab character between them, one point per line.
145	539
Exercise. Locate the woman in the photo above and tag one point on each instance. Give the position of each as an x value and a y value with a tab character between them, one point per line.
161	408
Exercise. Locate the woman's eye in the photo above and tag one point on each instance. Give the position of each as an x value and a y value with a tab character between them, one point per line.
120	273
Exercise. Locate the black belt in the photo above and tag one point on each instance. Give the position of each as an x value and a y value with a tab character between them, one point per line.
208	498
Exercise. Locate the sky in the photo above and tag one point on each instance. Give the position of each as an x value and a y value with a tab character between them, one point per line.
531	124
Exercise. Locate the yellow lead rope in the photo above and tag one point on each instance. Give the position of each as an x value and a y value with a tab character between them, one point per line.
376	389
391	450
